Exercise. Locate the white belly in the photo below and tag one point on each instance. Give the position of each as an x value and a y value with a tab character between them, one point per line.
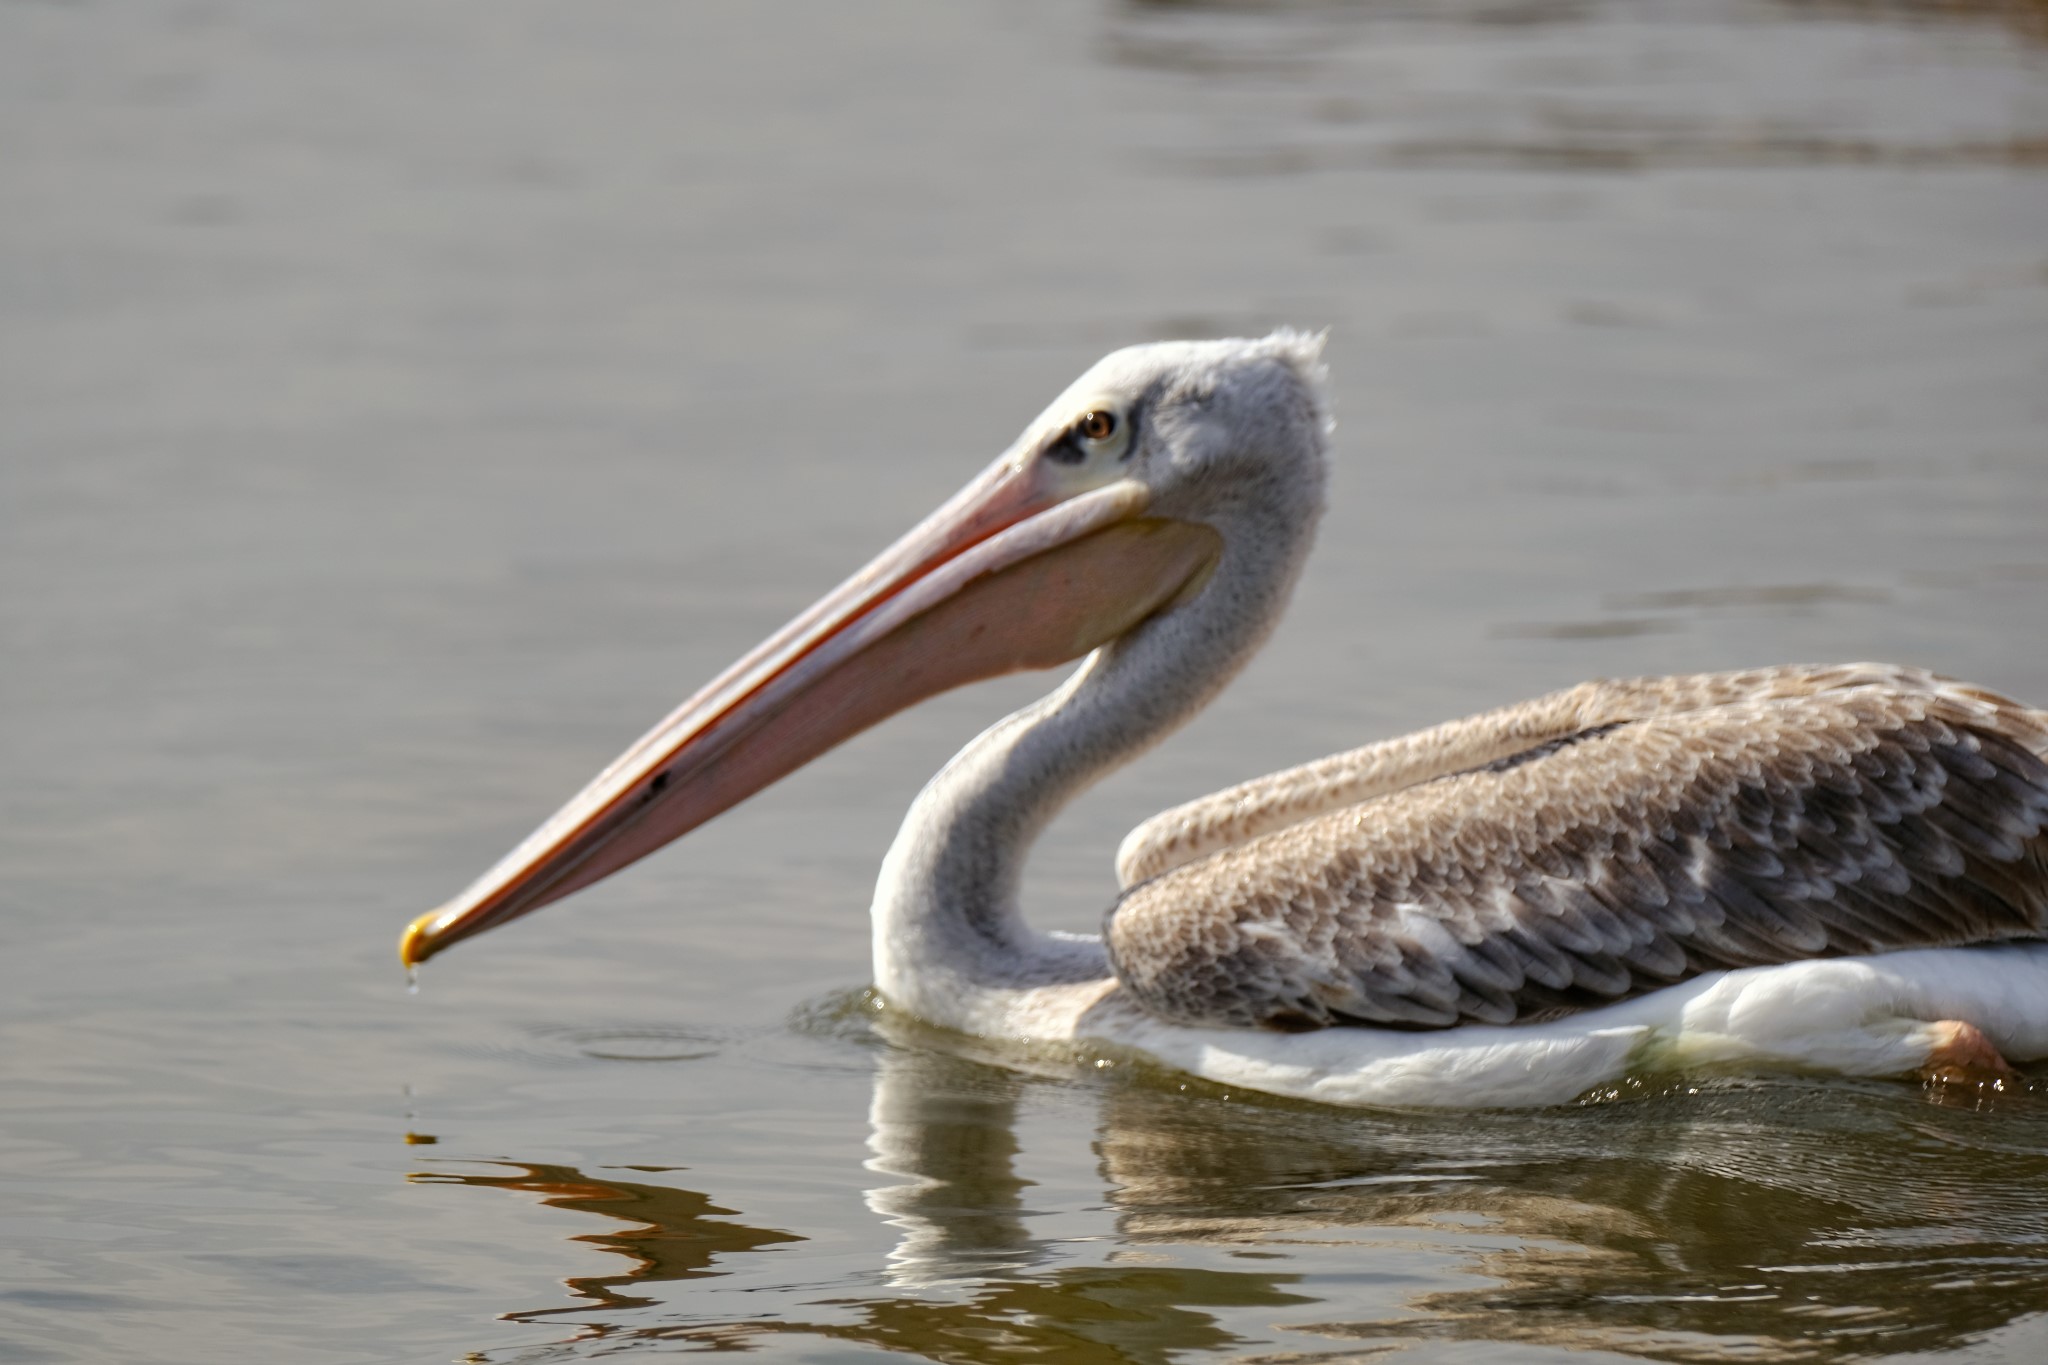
1858	1016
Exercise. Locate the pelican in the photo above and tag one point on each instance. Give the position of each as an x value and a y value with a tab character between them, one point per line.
1832	867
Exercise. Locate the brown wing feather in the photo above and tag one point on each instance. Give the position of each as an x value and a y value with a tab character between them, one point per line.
1868	815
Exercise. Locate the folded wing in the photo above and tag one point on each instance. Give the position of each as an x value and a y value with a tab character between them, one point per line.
1702	825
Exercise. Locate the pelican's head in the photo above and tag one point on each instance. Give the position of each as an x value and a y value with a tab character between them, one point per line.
1206	428
1112	509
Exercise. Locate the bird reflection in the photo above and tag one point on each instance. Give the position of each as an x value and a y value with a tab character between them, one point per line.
676	1234
945	1129
1778	1219
1785	1220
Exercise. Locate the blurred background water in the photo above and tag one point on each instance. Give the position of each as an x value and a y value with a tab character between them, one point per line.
403	405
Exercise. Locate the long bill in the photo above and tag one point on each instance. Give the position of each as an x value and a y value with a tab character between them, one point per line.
1013	573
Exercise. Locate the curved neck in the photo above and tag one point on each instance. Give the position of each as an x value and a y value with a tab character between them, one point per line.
947	925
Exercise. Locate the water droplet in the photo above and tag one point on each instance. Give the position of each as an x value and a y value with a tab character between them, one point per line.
412	981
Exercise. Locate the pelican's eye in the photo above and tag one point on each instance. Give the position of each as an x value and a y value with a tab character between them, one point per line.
1094	436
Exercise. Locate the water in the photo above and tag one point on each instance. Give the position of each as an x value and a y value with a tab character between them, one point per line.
405	405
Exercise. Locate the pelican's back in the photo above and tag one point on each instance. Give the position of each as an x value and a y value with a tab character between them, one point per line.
1595	844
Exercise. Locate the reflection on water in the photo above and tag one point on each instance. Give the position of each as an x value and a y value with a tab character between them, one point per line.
1094	1316
949	1141
676	1234
1784	1220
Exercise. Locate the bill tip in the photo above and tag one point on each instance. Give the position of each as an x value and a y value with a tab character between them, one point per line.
416	944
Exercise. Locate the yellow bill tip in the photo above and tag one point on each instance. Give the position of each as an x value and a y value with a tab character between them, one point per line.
416	944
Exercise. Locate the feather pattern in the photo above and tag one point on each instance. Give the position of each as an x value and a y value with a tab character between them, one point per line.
1632	835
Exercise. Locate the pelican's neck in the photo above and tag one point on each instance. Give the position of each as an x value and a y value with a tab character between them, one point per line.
947	925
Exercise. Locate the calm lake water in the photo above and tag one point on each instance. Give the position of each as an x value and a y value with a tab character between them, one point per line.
403	405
